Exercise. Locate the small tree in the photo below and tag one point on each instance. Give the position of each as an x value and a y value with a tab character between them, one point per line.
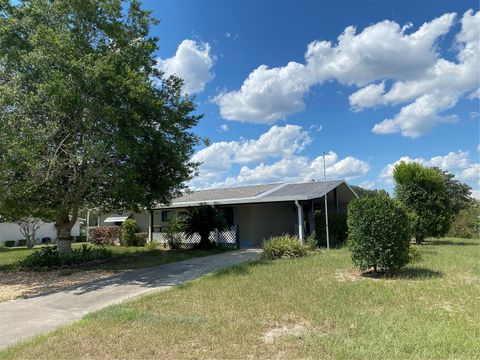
203	220
129	228
378	233
173	233
28	228
423	190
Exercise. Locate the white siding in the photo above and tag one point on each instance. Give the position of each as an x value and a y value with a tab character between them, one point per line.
11	231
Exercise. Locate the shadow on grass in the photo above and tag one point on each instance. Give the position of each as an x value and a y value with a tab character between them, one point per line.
449	242
406	274
242	269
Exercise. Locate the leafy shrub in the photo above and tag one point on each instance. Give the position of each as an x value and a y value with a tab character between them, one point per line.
312	242
22	242
413	254
173	233
337	227
285	246
129	228
141	238
106	235
81	238
466	224
10	243
48	257
379	233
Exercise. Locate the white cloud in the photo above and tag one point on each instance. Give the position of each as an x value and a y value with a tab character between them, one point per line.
380	51
192	62
274	156
223	128
458	163
434	91
300	169
266	95
276	142
420	116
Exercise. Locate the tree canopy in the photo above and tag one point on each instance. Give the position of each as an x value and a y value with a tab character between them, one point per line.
85	116
423	190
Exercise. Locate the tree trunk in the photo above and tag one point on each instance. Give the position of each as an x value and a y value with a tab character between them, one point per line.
64	235
419	239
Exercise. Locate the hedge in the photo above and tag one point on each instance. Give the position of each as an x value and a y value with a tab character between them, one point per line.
106	235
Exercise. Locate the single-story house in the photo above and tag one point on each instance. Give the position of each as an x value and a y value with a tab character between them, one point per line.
255	212
11	231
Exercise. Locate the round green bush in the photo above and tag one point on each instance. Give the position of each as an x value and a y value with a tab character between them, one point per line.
285	246
378	233
129	228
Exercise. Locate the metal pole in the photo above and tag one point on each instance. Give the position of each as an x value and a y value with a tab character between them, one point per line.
326	205
88	224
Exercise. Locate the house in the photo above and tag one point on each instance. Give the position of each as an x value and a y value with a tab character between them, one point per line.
254	212
11	231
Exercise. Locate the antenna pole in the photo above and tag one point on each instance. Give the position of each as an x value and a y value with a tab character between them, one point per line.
325	197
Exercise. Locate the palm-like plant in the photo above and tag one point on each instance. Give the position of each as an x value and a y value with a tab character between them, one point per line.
203	220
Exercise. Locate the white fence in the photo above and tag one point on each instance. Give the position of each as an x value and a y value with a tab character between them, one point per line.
227	238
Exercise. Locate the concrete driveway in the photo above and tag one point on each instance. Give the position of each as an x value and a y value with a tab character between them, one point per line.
25	318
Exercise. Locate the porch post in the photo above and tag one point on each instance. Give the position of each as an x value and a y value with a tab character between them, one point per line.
300	221
150	228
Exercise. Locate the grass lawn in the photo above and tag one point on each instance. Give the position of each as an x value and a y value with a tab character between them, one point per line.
317	307
124	258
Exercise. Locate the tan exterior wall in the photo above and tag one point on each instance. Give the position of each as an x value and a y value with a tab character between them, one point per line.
258	222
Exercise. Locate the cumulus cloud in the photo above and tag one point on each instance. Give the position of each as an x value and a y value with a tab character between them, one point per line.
437	89
418	117
273	156
390	63
192	62
458	163
382	50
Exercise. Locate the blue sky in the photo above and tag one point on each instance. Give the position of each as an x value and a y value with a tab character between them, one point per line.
368	82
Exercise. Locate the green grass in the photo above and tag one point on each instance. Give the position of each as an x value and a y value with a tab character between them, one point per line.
430	310
124	258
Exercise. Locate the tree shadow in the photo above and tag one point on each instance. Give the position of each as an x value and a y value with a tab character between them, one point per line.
405	274
417	273
449	242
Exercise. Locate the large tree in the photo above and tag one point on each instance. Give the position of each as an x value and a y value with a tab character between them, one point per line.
423	190
86	119
459	193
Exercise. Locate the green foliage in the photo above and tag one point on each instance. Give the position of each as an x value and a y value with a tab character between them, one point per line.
378	233
458	192
106	235
49	257
423	191
87	118
361	192
141	238
203	220
312	243
337	226
173	233
22	242
466	224
129	228
10	243
285	246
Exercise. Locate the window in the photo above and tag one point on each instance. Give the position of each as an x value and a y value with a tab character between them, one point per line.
167	215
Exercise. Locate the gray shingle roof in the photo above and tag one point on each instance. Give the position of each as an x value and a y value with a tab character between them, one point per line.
255	194
225	193
306	189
